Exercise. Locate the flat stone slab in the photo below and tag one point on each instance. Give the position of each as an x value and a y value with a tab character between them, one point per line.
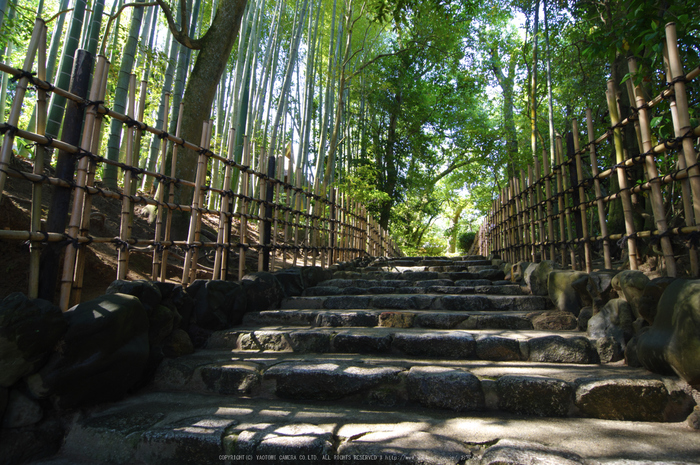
267	429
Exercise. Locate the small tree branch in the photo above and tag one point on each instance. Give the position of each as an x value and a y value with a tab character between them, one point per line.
181	35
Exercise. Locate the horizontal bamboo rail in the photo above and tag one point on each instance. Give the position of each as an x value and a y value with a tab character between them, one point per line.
300	223
509	229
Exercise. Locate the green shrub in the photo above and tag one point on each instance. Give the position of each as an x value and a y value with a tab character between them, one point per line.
465	241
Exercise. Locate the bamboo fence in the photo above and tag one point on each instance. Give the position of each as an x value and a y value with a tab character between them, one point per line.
293	224
532	218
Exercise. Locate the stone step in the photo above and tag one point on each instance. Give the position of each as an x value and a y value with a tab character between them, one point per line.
436	319
420	302
184	428
451	273
533	389
435	286
458	344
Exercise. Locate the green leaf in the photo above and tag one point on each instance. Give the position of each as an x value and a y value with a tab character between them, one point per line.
655	121
624	79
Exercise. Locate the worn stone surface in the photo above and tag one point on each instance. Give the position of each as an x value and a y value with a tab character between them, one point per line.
217	304
21	411
584	315
445	388
291	280
623	399
491	274
263	291
611	328
496	321
513	452
673	341
147	292
439	320
517	271
693	419
396	319
562	292
327	380
445	344
229	379
101	356
537	277
531	395
555	321
497	349
177	344
310	341
264	340
29	330
176	298
30	443
630	286
651	295
288	443
562	350
346	319
361	343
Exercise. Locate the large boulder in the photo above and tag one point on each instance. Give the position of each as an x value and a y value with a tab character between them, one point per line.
650	297
147	292
176	298
291	280
217	304
21	411
517	272
100	357
611	328
263	291
672	344
595	290
561	290
537	276
29	330
630	286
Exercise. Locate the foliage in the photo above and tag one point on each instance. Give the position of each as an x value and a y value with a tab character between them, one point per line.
465	240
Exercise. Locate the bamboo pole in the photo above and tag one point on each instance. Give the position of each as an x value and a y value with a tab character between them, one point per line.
657	201
598	193
171	194
621	175
297	217
288	205
39	154
243	222
557	169
276	199
18	102
79	192
582	198
548	196
125	228
567	204
261	212
683	129
533	215
157	251
540	214
101	74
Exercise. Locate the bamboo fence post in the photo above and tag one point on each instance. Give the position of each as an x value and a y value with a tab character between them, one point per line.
582	198
140	110
533	214
507	223
621	176
101	74
518	202
598	193
222	237
524	205
18	101
261	212
540	216
682	126
557	170
190	264
125	229
657	201
201	199
157	247
276	199
171	195
332	251
79	192
288	205
550	208
39	154
243	219
567	207
297	216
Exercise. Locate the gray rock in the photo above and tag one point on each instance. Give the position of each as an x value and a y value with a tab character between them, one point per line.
310	342
396	319
177	344
328	380
471	303
491	274
512	452
611	328
518	271
623	399
361	343
346	302
473	282
497	349
584	315
21	411
263	291
537	278
101	356
496	321
346	319
29	330
218	304
650	297
693	419
445	388
447	344
291	280
554	321
230	379
438	320
177	299
146	291
31	443
558	349
531	395
630	285
161	322
270	445
264	340
673	342
562	293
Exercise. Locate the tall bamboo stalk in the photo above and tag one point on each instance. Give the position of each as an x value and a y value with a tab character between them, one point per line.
159	251
582	198
598	192
125	228
243	223
223	236
171	194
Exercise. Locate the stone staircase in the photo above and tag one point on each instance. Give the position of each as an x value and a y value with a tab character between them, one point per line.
424	360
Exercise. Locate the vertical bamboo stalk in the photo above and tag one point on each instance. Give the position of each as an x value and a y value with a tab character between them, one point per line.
582	198
18	102
79	192
540	215
261	213
332	250
190	264
550	208
567	204
243	222
101	74
201	205
683	129
288	204
171	196
125	228
279	167
524	203
598	192
297	217
533	215
657	202
157	251
560	199
621	175
39	154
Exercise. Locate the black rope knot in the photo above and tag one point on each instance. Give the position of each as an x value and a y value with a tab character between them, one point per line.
622	243
163	135
23	74
120	244
693	239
